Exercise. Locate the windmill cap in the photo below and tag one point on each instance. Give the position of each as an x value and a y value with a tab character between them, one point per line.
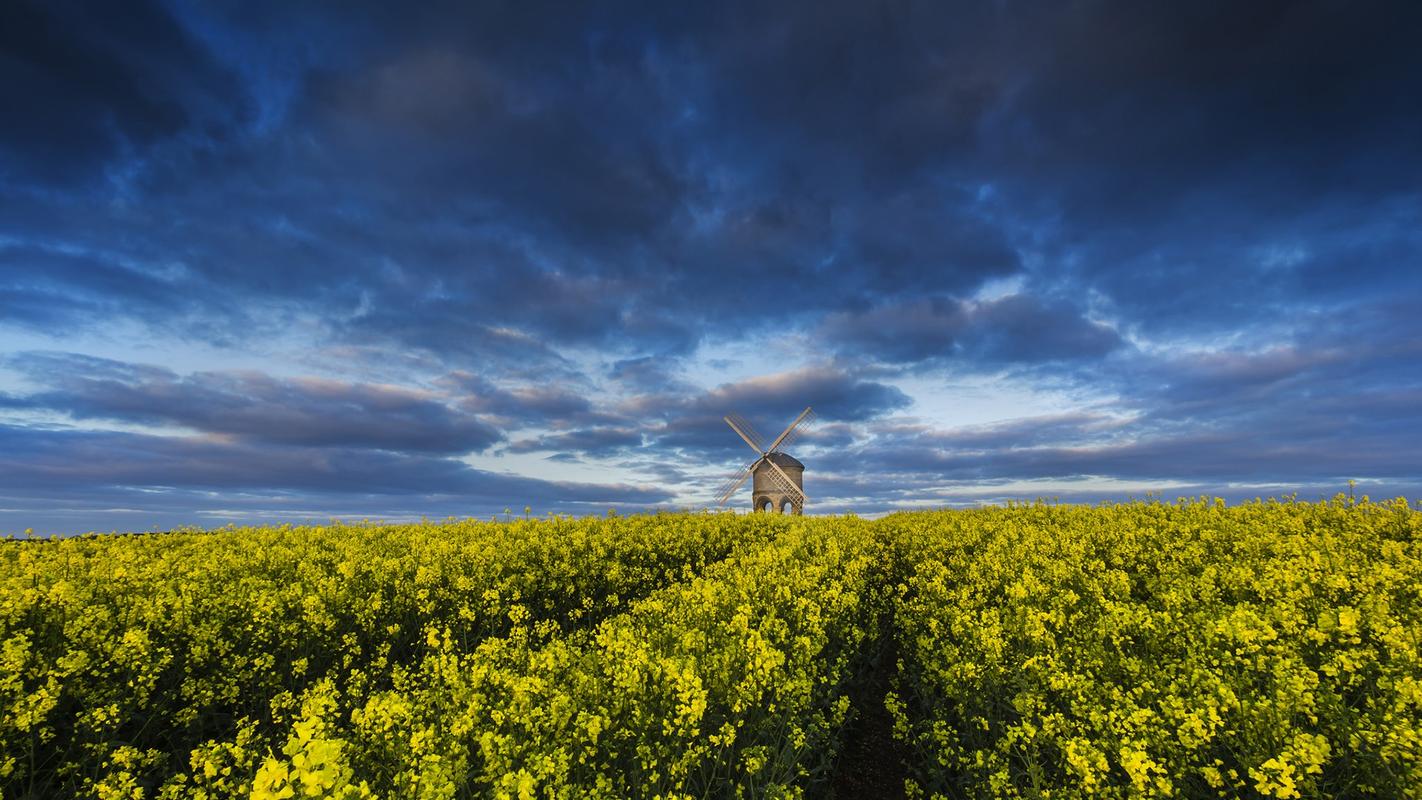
785	460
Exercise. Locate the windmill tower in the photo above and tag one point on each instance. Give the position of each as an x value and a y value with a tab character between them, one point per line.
779	484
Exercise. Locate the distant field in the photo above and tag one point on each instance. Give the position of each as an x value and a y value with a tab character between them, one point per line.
1142	650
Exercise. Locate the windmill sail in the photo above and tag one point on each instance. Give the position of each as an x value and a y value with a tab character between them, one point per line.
795	431
734	482
748	430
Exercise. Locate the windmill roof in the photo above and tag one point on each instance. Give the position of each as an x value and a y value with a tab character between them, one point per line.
785	460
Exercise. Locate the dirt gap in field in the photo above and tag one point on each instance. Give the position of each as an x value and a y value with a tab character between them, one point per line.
871	762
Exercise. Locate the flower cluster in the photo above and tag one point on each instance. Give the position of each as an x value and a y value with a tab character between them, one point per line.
1270	650
173	664
1163	650
729	684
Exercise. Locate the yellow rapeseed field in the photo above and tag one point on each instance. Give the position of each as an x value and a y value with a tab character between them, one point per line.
1151	649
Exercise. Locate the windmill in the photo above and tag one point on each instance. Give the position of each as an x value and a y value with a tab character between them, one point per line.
779	478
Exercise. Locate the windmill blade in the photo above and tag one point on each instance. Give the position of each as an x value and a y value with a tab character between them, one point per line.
734	482
744	435
749	430
788	485
776	481
794	434
805	416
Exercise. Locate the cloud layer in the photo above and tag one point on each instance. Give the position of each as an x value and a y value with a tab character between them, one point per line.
457	252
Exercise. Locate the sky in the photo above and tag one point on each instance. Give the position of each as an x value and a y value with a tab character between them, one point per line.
270	262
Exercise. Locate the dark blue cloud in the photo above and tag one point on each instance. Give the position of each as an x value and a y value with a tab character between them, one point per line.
89	86
253	406
690	423
694	426
587	442
44	471
628	180
1017	328
556	405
